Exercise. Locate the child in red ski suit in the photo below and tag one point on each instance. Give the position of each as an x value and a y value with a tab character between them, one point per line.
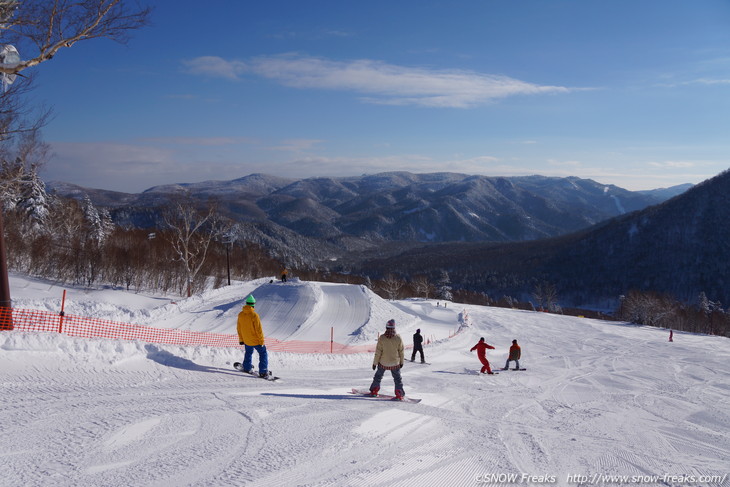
481	349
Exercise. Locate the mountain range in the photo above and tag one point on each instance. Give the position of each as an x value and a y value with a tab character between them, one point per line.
680	247
396	206
493	234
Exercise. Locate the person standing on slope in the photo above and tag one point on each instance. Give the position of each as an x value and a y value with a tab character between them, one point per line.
514	354
418	346
388	356
251	336
481	349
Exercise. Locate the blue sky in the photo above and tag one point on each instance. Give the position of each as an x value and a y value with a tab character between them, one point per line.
632	93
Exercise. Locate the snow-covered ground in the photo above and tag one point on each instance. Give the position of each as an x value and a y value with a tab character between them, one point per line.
600	403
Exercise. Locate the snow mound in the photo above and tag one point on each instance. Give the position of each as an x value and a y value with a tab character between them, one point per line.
294	310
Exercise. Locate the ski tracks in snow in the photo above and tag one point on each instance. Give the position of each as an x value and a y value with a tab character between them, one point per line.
596	398
190	427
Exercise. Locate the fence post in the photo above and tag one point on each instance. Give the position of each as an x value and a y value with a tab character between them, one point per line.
332	338
6	304
63	305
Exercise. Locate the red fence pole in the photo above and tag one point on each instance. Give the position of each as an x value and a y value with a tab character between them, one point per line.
63	305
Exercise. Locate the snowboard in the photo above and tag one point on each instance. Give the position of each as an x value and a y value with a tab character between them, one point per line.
417	362
513	369
384	397
477	372
271	377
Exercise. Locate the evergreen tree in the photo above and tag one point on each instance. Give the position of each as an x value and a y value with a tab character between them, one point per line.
32	200
704	304
107	225
99	223
443	287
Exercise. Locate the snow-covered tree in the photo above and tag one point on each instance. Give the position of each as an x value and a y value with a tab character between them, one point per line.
21	157
507	302
647	308
704	303
443	287
539	295
546	293
98	222
97	227
22	192
33	201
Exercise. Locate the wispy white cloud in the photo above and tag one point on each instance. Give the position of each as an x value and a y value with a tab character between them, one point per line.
109	165
338	33
297	145
416	163
347	166
697	81
705	72
674	164
568	165
710	81
316	34
138	165
635	176
215	66
376	81
201	141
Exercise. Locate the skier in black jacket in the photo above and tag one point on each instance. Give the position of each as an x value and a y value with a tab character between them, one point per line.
418	346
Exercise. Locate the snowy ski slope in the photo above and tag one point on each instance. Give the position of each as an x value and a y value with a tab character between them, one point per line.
601	403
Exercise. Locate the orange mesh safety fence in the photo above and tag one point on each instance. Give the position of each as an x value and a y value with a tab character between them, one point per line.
77	326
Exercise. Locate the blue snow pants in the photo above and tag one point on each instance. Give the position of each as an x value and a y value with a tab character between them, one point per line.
263	358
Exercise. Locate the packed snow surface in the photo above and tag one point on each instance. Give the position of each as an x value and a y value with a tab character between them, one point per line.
600	403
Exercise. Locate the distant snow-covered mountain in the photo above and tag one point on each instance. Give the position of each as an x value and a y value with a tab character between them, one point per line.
394	206
680	247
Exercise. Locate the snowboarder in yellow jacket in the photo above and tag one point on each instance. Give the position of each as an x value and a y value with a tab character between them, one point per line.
251	336
388	356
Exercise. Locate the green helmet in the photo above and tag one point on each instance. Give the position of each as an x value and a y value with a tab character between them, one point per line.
250	300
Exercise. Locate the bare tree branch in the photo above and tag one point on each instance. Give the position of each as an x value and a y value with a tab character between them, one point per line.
192	231
52	25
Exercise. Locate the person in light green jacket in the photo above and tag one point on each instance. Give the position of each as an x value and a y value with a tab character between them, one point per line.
388	356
